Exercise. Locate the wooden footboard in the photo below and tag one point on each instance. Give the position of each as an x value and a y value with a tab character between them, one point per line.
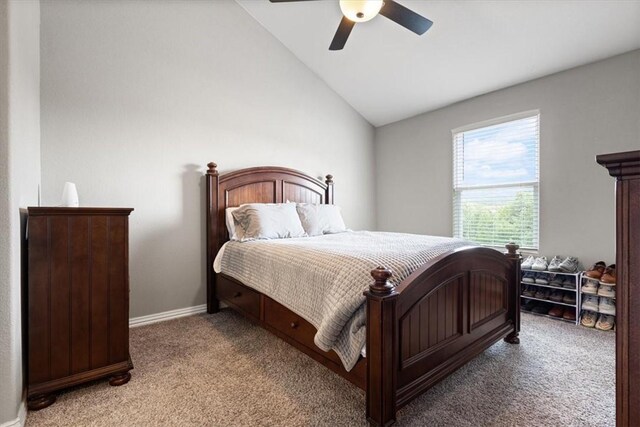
436	320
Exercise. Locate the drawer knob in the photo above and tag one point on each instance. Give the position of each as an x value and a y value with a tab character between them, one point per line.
237	294
294	325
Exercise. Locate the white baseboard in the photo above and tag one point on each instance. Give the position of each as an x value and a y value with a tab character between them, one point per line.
166	315
20	420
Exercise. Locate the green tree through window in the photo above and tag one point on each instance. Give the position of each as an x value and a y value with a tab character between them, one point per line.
511	222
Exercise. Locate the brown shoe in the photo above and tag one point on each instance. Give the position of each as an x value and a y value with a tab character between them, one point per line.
556	311
609	276
596	271
569	314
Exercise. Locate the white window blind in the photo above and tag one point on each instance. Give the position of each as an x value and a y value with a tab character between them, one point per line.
496	181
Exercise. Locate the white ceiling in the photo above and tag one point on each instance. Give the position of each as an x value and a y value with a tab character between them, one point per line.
388	73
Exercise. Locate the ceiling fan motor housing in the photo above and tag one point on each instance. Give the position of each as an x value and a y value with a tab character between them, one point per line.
360	10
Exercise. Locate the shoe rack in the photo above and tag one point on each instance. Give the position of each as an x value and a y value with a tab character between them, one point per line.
575	279
584	281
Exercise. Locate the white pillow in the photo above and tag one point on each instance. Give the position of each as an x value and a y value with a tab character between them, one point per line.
268	221
320	219
232	226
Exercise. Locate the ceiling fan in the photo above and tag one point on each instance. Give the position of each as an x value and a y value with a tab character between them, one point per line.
356	11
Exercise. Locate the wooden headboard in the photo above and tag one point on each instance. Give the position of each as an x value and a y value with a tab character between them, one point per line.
267	184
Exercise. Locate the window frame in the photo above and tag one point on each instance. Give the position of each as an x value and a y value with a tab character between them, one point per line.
535	185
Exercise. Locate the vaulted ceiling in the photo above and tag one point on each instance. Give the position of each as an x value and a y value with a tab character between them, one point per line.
388	73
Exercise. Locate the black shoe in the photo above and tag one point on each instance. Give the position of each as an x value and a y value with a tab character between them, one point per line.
541	309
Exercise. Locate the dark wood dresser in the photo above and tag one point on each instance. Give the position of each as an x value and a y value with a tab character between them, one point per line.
625	167
77	299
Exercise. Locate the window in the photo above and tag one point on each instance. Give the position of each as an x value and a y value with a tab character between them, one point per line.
496	181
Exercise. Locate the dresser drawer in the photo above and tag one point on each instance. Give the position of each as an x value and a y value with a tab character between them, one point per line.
286	321
238	296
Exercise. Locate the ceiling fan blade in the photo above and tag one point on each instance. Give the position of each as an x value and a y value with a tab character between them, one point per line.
344	29
405	17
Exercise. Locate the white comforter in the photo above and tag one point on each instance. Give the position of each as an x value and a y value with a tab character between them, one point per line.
323	278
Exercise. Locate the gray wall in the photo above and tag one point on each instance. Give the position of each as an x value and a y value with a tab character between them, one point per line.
585	111
19	179
138	96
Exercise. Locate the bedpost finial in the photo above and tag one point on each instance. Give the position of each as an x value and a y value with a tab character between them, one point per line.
329	179
511	249
381	286
212	168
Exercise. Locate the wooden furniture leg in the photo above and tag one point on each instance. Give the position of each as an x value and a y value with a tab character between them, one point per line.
41	401
515	258
120	379
212	180
381	350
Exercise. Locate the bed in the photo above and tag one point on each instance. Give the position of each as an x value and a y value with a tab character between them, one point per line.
435	320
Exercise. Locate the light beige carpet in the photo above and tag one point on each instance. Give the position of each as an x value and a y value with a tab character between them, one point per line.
220	370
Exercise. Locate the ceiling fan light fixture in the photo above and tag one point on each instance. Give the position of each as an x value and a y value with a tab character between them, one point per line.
360	10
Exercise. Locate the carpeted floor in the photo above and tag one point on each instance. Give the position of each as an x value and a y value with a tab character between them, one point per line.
221	370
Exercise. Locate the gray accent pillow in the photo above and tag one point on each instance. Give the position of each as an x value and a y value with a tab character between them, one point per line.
320	219
235	232
268	221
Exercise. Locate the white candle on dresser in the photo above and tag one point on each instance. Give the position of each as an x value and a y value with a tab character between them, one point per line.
70	195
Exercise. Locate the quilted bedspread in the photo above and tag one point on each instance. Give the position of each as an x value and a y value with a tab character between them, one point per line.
322	278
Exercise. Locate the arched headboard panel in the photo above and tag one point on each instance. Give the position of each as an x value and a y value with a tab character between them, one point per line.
268	184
